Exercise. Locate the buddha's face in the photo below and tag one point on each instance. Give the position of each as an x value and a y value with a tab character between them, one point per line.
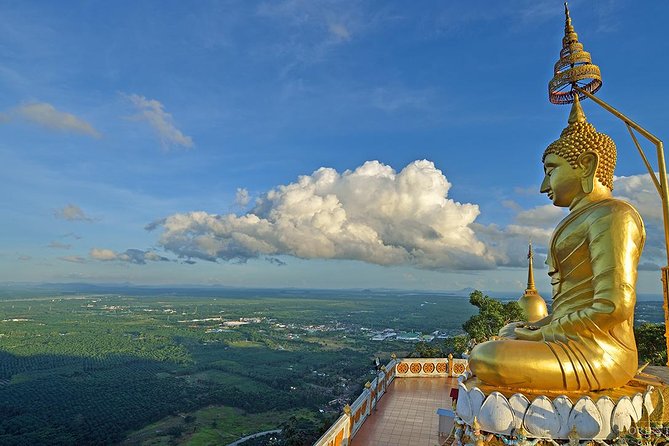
561	182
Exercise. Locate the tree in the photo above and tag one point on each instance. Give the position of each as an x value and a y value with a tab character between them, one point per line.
426	350
455	345
302	431
492	316
650	343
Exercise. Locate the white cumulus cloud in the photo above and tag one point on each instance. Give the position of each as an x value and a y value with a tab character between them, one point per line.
73	259
641	192
103	254
242	197
509	243
46	115
72	212
373	214
136	256
153	112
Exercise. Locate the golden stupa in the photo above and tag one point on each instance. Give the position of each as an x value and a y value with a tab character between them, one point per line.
533	305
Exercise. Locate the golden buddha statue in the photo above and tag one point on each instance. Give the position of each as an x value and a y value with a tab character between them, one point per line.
587	343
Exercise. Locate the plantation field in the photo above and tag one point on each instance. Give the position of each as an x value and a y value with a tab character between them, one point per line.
209	426
198	367
158	368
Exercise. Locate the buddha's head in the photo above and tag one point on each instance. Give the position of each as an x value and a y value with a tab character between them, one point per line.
580	161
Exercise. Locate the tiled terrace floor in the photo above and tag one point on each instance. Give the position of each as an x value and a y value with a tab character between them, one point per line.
407	414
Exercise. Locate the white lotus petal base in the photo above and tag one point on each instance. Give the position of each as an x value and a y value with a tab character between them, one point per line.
483	410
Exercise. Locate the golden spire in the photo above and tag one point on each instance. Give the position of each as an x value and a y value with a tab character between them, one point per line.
531	302
576	114
574	67
569	31
530	272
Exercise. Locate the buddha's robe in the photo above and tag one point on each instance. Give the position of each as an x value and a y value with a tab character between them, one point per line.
587	343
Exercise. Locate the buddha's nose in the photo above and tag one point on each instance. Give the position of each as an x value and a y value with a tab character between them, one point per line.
545	186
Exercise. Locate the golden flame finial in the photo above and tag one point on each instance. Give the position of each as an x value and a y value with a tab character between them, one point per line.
574	67
530	272
576	114
568	28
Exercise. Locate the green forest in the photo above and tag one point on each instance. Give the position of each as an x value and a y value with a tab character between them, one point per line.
165	369
204	369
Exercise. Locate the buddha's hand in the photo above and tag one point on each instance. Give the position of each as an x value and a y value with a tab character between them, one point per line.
509	330
528	333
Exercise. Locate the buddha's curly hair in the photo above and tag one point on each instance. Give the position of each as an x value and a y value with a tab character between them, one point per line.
580	137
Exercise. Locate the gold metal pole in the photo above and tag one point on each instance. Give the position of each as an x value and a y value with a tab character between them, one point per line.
608	107
665	193
645	160
665	290
664	198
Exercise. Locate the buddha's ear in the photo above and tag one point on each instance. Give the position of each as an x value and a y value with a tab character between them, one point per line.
588	161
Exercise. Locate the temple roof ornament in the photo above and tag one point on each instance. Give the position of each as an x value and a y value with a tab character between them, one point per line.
574	67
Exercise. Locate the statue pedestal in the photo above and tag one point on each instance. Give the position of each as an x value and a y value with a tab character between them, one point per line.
486	414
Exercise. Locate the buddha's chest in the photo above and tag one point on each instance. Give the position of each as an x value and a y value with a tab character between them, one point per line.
569	260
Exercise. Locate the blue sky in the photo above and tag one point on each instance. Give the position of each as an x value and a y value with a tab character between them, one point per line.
206	122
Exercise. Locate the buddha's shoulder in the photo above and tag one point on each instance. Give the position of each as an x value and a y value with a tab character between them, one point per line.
613	208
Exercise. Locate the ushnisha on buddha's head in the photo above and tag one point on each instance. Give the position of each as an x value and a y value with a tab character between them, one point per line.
579	165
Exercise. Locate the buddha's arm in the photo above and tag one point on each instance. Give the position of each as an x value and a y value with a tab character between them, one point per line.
615	241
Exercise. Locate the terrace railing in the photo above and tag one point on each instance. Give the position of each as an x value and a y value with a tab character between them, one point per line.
431	367
349	423
339	433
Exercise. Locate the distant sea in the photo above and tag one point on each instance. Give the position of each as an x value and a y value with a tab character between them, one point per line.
649	311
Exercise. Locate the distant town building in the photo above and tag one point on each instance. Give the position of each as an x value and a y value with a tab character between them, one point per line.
409	336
